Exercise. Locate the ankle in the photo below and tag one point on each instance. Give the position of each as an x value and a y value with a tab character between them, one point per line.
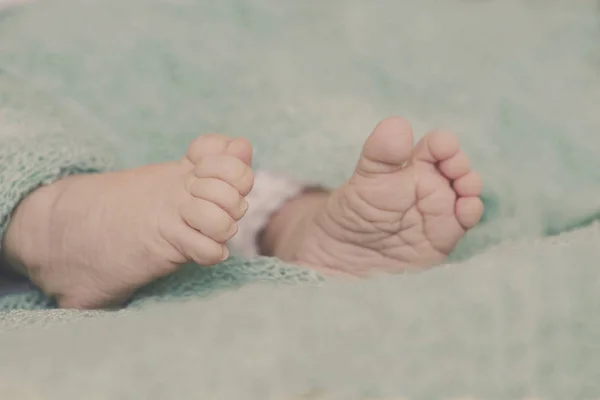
287	227
29	223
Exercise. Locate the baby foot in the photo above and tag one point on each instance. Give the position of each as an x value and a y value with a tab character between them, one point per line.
92	240
404	206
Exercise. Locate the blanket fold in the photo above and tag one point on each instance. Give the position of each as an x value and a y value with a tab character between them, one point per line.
517	322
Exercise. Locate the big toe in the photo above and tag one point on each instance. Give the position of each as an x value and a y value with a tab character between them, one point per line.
207	145
388	148
215	144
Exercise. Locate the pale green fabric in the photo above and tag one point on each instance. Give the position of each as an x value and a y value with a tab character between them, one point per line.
496	327
306	81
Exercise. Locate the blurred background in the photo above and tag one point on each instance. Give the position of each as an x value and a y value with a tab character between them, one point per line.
307	81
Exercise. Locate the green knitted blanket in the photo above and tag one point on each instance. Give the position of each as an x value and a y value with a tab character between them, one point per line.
92	85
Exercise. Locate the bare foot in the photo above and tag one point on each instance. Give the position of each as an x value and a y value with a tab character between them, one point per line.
404	206
92	240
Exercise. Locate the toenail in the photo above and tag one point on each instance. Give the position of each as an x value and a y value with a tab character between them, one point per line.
225	254
244	206
233	230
